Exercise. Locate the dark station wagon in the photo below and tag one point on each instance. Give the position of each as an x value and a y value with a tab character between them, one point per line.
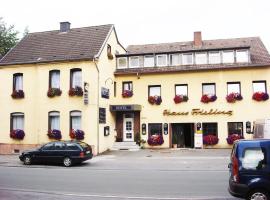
65	152
250	169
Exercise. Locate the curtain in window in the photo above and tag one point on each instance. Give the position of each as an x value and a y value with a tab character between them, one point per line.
19	82
259	87
128	86
181	90
55	79
76	122
76	79
154	91
209	89
233	87
55	122
18	122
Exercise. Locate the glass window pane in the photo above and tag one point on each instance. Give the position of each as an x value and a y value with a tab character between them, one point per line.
154	91
18	122
233	88
161	60
181	90
242	56
55	79
54	122
149	61
228	57
122	63
259	87
76	79
18	82
201	58
187	59
134	62
175	59
76	123
214	58
209	89
210	129
254	158
155	129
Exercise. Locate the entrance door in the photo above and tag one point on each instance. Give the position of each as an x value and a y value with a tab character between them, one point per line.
183	135
128	130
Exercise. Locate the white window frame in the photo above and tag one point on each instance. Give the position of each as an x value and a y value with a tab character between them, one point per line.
228	51
192	58
209	57
242	50
122	67
206	58
179	59
148	56
134	57
166	60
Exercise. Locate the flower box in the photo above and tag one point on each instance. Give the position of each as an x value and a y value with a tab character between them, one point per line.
127	93
52	92
260	96
17	134
233	97
54	134
76	134
210	140
77	91
155	140
206	98
233	137
180	98
155	100
17	94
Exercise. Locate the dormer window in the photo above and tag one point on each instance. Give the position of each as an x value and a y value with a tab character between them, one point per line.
175	59
242	56
214	57
201	58
149	61
228	57
134	62
187	59
122	63
162	60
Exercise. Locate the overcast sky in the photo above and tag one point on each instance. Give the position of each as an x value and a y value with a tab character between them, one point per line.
146	21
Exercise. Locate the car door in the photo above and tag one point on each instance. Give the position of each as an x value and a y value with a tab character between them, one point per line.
45	153
58	152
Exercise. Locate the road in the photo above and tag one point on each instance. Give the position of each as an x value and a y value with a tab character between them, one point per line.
123	175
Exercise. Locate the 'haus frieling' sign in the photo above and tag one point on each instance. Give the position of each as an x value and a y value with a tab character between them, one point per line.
197	111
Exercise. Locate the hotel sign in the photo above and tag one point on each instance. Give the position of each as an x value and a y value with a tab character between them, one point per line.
198	112
132	107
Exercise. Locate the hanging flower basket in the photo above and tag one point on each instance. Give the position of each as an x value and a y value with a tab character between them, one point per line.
77	91
260	96
206	98
127	93
17	134
155	140
155	100
233	97
52	92
210	140
76	134
54	134
180	98
233	137
17	94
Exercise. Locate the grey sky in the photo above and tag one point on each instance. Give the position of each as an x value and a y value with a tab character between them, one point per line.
146	21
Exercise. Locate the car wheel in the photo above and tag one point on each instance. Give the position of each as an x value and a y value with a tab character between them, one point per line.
27	160
258	194
67	162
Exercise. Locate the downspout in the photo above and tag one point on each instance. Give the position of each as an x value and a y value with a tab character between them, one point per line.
95	59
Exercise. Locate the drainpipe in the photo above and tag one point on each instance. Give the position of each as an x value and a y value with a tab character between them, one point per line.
95	59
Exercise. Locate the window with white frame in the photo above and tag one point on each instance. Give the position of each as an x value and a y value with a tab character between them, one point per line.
134	62
201	58
76	78
228	56
259	86
54	120
154	90
175	59
214	57
233	87
127	86
187	59
75	120
209	88
162	60
121	63
181	90
17	121
149	61
54	77
242	56
18	82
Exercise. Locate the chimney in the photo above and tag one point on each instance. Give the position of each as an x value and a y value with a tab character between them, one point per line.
198	39
64	26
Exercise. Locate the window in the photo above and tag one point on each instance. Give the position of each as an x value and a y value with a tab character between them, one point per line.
242	56
127	86
75	120
76	78
233	87
259	86
210	129
154	90
17	121
102	115
235	128
154	129
181	90
59	146
71	146
162	60
122	63
254	158
54	120
175	59
209	88
187	59
47	147
134	62
201	58
228	56
17	82
214	57
149	61
54	79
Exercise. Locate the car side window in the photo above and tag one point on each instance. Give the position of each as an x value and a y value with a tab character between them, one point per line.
48	147
71	146
254	158
59	146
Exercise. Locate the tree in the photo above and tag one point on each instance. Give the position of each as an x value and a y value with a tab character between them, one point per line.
8	37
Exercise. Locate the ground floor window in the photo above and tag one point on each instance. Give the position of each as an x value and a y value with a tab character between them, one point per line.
54	120
235	128
154	129
75	120
210	129
17	121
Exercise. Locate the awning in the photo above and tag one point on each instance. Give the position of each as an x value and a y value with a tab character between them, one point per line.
121	108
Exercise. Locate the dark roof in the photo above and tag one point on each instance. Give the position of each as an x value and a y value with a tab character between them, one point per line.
76	44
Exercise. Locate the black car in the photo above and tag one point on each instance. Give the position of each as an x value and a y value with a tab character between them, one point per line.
65	152
250	169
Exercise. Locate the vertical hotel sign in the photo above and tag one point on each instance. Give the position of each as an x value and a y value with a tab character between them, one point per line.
85	93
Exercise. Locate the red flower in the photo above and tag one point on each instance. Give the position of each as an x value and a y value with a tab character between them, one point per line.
180	98
260	96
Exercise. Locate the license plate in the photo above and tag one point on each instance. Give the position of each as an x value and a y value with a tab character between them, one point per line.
87	152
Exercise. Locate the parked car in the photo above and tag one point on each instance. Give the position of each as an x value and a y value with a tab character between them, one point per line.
250	169
65	152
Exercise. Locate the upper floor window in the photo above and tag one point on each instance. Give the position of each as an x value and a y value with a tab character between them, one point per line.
233	87
76	78
181	90
149	61
17	121
201	58
175	59
122	63
75	120
154	90
54	120
54	79
134	62
242	56
127	86
228	56
17	82
214	57
209	89
109	52
259	86
187	59
162	60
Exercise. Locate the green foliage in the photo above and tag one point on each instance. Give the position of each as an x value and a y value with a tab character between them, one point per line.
8	37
